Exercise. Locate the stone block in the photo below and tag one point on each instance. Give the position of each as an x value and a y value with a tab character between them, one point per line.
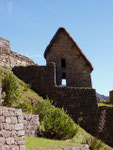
8	120
22	147
19	126
10	141
14	120
20	140
13	147
5	147
5	133
20	119
2	119
18	112
2	141
21	133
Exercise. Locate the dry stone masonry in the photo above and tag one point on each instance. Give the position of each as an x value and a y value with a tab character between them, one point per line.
31	125
12	134
9	59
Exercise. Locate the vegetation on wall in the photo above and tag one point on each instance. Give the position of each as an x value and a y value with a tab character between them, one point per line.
10	90
26	97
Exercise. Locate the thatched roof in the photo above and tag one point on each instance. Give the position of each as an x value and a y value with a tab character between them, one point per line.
55	36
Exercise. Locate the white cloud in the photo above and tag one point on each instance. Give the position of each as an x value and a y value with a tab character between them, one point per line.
10	7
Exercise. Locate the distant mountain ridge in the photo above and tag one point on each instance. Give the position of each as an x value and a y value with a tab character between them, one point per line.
102	97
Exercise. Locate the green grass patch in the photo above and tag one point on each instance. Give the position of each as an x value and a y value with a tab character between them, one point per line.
36	143
82	137
104	104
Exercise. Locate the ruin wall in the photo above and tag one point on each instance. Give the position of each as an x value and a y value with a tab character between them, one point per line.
31	125
111	96
79	102
9	59
12	134
106	124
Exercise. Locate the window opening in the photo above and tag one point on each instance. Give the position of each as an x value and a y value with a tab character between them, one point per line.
63	63
63	82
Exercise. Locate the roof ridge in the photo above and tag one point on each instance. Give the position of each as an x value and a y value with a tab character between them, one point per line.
53	39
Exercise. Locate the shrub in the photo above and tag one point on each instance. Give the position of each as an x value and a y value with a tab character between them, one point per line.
24	105
57	124
10	90
42	108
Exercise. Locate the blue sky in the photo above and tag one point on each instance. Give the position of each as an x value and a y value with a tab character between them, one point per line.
30	25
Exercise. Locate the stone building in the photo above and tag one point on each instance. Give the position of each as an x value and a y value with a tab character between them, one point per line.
71	64
111	96
66	61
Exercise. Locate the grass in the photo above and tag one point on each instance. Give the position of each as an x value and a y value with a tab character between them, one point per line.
36	143
26	94
105	104
33	143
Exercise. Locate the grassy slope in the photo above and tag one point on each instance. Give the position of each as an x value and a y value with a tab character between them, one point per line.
41	143
26	94
33	143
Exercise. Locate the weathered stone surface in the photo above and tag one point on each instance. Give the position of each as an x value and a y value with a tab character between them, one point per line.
13	147
22	147
20	119
10	141
2	119
8	126
8	120
14	120
19	112
105	127
12	135
5	133
5	147
2	141
4	43
9	58
31	125
21	133
19	126
111	96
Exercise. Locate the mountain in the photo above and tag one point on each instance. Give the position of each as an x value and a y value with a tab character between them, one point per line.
102	97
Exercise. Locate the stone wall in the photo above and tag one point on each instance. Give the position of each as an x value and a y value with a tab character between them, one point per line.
11	129
79	102
31	125
41	78
9	58
77	71
4	44
106	124
111	96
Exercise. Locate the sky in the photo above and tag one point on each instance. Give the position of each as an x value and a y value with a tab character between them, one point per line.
29	25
